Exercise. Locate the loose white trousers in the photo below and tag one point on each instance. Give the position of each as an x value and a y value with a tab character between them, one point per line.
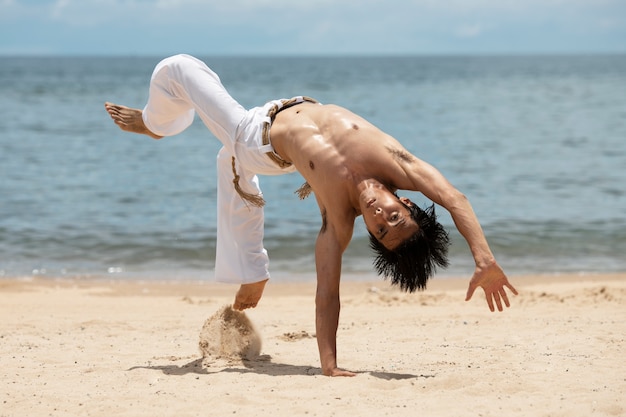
182	86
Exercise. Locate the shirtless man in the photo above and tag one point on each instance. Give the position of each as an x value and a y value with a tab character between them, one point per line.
352	167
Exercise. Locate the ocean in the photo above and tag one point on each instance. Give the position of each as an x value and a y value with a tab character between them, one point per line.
537	143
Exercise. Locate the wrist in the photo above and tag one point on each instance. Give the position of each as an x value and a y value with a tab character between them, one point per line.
485	262
328	366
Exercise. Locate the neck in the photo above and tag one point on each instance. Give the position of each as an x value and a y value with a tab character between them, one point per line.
364	187
367	183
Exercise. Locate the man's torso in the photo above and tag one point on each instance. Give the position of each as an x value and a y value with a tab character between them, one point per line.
335	150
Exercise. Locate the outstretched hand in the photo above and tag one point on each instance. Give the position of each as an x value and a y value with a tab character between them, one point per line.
492	280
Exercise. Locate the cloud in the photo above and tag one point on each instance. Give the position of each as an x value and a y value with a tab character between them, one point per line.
469	31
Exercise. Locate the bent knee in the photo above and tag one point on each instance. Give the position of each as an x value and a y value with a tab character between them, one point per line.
183	63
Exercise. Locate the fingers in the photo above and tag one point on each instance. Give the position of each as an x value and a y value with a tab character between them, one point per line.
493	282
470	292
489	302
504	297
496	297
341	372
510	287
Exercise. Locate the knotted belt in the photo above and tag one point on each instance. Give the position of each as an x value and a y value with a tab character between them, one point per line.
257	199
272	112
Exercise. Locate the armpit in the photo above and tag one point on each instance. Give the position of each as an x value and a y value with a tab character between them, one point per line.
401	155
324	221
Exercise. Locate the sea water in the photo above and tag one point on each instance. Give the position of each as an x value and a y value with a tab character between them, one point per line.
537	143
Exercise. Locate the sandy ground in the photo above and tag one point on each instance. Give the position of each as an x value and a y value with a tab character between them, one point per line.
99	348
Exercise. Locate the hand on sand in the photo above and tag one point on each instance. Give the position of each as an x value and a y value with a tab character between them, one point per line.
249	295
339	372
492	280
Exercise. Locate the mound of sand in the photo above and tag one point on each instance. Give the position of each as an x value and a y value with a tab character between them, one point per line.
229	334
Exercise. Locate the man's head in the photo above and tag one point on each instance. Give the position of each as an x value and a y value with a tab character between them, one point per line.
408	242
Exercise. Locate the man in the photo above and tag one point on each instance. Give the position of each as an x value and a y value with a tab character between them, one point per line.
352	167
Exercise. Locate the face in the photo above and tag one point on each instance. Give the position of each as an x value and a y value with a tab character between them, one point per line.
387	218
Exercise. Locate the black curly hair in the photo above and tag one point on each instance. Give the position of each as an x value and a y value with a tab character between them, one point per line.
412	263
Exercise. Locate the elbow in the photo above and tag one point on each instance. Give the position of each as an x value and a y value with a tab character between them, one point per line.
455	199
460	197
325	298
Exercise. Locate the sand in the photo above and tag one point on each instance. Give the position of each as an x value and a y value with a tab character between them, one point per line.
229	334
98	348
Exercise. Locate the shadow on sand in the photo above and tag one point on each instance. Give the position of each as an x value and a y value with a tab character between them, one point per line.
263	365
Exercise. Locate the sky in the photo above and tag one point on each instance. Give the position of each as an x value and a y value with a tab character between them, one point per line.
311	27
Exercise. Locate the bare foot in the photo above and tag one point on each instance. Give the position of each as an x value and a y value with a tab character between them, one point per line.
249	295
128	119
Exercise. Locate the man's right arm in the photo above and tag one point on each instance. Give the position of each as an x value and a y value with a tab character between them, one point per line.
328	252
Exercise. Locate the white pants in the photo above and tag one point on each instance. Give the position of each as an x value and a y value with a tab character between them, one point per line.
182	86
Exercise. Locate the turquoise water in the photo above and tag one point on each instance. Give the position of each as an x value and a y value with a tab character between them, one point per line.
538	144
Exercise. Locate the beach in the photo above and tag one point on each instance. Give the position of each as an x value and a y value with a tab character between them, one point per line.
107	347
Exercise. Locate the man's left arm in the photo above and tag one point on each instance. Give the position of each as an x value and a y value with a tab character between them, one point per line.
488	274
